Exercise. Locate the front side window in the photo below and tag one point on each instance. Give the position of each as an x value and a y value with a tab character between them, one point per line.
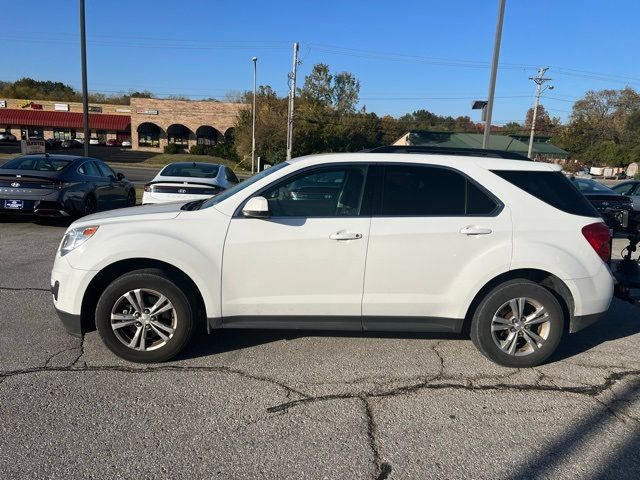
229	192
416	190
326	192
624	188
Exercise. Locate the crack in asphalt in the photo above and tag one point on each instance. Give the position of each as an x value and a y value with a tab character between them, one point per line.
22	289
591	391
51	357
165	368
77	359
382	470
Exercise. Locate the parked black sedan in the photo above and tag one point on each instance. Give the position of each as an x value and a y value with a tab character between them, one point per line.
62	186
614	208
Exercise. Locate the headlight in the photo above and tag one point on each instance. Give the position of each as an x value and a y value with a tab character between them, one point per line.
76	237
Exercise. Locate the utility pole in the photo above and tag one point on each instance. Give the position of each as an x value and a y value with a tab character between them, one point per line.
253	134
292	97
539	81
494	74
85	93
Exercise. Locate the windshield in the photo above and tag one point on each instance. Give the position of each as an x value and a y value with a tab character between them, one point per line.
242	185
198	170
41	164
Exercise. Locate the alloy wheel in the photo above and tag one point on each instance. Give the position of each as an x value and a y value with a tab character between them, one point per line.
143	319
521	326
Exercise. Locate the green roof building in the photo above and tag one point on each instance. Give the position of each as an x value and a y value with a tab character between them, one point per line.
514	143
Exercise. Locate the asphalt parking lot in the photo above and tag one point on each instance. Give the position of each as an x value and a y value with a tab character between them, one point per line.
251	404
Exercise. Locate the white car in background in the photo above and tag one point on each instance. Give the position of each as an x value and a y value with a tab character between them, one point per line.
506	249
188	181
126	143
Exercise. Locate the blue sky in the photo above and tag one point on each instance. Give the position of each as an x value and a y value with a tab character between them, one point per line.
407	55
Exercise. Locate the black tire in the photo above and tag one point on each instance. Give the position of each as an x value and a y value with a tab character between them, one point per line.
89	206
131	198
525	355
151	280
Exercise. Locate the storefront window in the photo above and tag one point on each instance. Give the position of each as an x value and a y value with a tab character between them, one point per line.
178	134
64	134
148	135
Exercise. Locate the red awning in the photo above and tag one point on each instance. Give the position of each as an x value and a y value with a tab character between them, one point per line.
35	118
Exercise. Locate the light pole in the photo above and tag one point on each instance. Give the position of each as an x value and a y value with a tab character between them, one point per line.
494	74
539	80
292	99
253	134
85	93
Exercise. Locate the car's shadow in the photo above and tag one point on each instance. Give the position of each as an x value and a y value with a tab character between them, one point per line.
221	341
623	320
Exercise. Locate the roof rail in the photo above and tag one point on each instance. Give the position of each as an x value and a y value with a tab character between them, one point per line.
467	152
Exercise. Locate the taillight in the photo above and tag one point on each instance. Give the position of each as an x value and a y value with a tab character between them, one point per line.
61	185
599	237
147	188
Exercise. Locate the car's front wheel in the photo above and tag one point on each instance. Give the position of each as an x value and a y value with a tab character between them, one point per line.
131	198
143	316
518	324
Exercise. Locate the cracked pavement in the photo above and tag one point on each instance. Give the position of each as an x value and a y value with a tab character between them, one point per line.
251	404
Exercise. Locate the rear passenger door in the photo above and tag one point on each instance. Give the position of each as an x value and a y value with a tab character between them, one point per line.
99	185
116	196
434	234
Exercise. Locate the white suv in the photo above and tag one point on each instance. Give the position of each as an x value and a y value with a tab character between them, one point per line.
506	250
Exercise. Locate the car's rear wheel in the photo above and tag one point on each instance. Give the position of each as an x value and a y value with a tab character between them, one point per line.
518	324
143	316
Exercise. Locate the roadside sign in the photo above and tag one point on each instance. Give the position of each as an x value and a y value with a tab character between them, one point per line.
32	146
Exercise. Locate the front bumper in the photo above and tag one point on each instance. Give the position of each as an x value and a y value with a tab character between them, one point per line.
72	323
68	287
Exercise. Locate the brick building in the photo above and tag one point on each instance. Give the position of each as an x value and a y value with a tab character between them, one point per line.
156	122
149	123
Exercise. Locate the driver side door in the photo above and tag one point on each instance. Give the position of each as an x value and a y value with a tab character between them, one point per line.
303	266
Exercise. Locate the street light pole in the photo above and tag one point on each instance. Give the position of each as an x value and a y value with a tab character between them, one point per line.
494	74
85	93
253	134
539	80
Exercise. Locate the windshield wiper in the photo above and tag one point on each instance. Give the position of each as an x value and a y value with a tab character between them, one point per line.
195	205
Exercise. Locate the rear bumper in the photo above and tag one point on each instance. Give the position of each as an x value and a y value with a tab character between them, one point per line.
41	208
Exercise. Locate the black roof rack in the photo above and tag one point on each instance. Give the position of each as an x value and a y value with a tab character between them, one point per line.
467	152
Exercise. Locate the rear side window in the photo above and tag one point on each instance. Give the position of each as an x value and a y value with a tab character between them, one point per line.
415	190
552	188
105	170
89	168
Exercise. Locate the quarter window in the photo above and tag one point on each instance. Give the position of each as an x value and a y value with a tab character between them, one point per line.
327	192
412	190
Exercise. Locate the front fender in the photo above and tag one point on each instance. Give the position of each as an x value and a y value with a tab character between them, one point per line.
191	246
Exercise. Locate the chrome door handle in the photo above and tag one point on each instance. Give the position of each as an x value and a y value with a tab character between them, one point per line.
342	235
475	230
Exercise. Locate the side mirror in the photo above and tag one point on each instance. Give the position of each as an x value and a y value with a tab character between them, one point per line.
120	176
256	207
